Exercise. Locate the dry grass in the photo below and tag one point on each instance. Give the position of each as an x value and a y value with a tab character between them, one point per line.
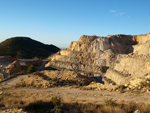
10	98
110	102
40	103
111	109
39	80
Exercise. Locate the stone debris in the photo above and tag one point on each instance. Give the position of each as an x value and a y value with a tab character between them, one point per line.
13	110
137	111
1	92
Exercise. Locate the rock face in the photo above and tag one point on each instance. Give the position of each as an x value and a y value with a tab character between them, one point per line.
6	59
14	67
30	62
114	58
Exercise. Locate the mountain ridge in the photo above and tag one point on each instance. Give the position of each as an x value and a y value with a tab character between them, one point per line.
25	47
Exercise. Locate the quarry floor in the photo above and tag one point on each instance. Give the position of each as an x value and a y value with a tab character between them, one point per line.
70	94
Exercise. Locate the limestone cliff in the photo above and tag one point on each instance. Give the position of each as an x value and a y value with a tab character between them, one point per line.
116	59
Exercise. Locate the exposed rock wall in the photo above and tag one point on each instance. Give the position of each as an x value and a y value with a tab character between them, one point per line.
14	67
30	62
120	58
99	44
7	59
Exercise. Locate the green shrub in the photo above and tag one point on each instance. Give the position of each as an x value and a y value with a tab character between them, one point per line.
58	106
110	102
145	84
56	100
75	103
31	69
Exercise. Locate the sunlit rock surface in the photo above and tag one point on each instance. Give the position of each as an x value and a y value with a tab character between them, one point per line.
116	58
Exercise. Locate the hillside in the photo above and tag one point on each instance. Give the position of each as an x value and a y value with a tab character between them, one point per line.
25	47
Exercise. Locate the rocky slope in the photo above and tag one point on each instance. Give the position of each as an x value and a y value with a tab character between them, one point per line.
113	60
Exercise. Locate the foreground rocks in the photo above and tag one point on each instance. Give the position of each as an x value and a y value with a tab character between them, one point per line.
13	110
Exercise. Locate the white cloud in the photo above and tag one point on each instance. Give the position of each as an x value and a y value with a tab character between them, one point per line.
121	13
112	11
117	13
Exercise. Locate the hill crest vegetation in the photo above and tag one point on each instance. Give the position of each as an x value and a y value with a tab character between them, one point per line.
25	47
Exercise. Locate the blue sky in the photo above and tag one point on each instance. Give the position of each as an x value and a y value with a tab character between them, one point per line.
59	22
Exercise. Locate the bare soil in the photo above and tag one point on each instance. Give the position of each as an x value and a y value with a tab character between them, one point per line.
69	94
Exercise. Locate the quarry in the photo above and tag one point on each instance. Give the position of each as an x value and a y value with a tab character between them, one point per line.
92	70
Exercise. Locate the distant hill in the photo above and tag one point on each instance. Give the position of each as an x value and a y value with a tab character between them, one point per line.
25	47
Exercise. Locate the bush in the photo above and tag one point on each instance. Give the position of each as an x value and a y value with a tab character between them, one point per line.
31	69
56	100
110	102
145	84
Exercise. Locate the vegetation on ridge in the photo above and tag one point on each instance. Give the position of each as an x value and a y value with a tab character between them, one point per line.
24	47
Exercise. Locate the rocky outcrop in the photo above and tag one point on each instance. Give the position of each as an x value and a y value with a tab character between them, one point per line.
117	58
30	62
6	59
23	65
12	68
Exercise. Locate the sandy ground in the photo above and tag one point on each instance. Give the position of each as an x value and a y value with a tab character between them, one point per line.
70	94
9	83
